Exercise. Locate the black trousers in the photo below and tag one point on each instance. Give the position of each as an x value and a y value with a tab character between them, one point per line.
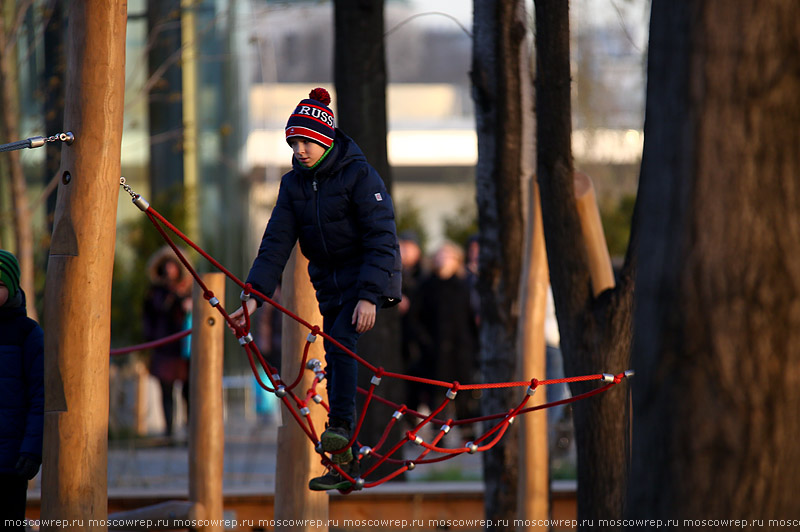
13	494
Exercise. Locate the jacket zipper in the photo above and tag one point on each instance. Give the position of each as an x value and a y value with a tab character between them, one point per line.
315	186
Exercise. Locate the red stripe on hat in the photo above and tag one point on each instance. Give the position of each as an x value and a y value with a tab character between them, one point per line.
298	131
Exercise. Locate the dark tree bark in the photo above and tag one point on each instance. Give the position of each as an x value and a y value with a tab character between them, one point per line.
499	41
595	331
55	63
717	342
165	108
360	78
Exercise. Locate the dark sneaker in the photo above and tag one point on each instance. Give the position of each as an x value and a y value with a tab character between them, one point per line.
336	438
333	480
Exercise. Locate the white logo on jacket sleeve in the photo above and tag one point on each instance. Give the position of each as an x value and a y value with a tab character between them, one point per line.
378	196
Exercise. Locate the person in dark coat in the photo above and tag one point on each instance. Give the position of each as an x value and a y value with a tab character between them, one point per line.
336	205
166	307
21	395
446	331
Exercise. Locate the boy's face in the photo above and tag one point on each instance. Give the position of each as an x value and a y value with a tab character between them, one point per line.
305	151
3	293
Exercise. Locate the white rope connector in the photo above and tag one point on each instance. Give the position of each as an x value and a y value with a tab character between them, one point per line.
511	420
311	338
375	380
246	339
445	428
359	483
417	440
629	373
411	466
305	411
472	448
213	301
280	391
531	390
397	415
313	364
608	377
365	451
317	398
451	394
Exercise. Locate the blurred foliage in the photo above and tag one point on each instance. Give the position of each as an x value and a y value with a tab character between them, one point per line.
462	225
617	224
137	240
408	217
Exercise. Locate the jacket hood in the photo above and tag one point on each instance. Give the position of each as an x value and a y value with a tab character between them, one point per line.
14	307
163	255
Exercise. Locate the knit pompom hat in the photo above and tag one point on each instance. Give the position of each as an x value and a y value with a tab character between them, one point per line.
313	119
9	272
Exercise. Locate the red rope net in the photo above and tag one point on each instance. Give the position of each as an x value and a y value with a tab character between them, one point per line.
298	402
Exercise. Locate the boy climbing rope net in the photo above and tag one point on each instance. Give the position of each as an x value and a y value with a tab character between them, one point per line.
336	205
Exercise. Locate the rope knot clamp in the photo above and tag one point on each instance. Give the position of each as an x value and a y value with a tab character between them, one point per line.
445	428
246	339
276	377
313	364
213	301
451	394
245	295
608	377
472	448
511	420
375	380
305	411
532	388
281	391
414	438
629	373
365	450
317	398
410	465
397	415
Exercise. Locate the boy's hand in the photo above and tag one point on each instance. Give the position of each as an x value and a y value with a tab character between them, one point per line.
238	316
364	316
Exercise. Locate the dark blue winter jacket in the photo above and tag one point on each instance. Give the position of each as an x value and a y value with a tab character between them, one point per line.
21	384
344	219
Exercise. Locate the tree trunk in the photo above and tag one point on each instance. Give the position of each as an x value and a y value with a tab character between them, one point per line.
55	63
595	331
23	225
499	41
717	343
165	108
360	78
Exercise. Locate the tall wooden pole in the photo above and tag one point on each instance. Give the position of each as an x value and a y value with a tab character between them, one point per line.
207	433
533	482
297	460
592	228
78	295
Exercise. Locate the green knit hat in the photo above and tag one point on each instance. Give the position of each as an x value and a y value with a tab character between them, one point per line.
9	272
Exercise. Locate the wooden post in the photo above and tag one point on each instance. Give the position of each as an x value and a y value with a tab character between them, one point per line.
298	462
206	430
593	235
533	483
78	293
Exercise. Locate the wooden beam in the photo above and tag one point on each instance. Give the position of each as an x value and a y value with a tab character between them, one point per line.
533	482
595	239
297	461
78	293
206	428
